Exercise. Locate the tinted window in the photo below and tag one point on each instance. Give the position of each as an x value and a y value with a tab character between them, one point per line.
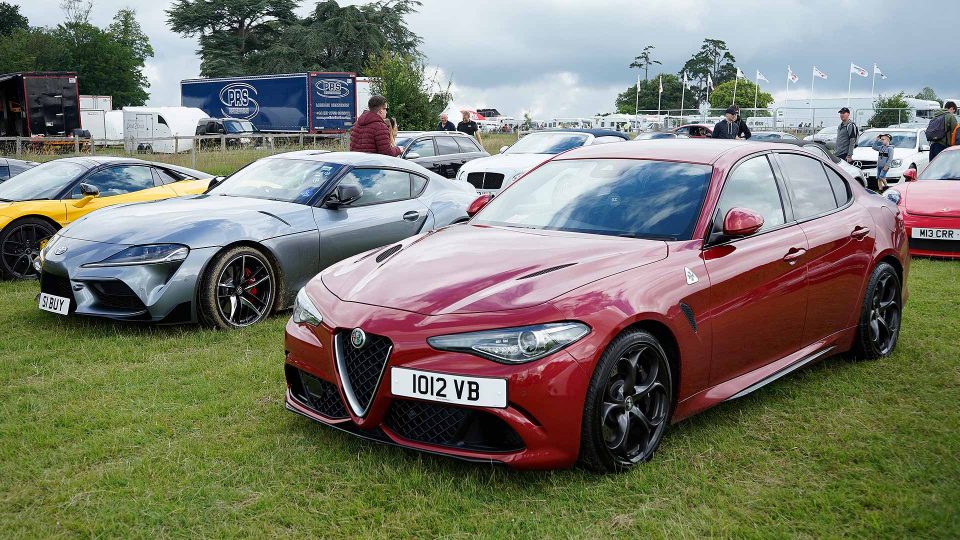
424	147
41	182
816	150
812	194
547	143
840	191
752	186
446	145
279	179
166	177
419	183
379	185
119	180
4	172
946	166
468	144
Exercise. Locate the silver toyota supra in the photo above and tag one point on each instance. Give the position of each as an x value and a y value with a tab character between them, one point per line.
232	256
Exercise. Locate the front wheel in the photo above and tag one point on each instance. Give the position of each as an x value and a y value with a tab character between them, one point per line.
20	244
879	326
628	405
238	289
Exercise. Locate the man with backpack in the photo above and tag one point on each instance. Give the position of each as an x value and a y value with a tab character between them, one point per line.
847	133
942	130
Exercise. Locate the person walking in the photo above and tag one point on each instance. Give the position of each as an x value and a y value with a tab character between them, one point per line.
445	124
371	134
744	130
941	132
469	127
884	157
847	133
730	127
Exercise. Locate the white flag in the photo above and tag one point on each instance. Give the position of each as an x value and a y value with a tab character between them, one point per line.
876	71
709	81
740	74
661	85
818	73
760	77
857	70
791	75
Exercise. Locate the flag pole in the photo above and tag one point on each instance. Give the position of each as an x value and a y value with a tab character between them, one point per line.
756	92
659	96
736	79
849	83
873	84
813	109
636	107
683	90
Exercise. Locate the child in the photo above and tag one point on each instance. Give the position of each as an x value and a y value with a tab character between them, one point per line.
884	157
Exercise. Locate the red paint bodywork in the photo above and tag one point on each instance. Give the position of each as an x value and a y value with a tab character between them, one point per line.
761	303
933	204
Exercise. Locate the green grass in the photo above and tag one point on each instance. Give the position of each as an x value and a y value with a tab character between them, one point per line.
116	430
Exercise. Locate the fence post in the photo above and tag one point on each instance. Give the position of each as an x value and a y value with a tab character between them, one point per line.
92	145
18	146
76	145
223	143
176	144
193	154
301	139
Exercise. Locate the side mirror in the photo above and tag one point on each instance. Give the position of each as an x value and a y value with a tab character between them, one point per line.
412	155
343	195
503	149
479	203
924	147
910	175
741	222
89	190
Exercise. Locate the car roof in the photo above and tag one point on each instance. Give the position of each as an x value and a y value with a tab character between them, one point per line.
706	151
418	133
93	161
346	158
594	132
890	130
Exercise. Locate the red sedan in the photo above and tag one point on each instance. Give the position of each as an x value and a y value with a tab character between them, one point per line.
614	290
931	207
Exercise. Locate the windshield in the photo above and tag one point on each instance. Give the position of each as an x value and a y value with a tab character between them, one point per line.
44	181
547	143
402	142
238	126
828	131
945	167
655	135
290	180
902	139
616	197
766	136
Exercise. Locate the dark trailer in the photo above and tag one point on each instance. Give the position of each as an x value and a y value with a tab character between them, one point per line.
39	104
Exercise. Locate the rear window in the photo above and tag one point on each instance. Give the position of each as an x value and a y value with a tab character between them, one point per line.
468	145
446	145
812	192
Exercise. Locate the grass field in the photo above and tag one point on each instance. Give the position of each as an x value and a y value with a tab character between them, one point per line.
115	430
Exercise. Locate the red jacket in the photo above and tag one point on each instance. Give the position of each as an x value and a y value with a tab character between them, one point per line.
372	135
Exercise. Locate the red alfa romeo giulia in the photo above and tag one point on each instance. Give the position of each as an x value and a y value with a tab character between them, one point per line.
931	207
614	290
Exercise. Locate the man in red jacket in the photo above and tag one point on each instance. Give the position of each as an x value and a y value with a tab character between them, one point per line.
371	134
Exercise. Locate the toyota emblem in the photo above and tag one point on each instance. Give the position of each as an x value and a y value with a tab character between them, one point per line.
358	338
60	250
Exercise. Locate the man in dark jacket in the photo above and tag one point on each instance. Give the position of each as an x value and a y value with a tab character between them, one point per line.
730	127
445	124
371	134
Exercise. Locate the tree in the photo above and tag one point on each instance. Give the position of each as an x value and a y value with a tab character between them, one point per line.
34	49
713	59
644	61
415	99
650	92
888	111
11	19
722	97
77	11
126	31
927	93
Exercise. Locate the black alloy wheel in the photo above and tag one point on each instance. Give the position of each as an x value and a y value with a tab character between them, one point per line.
239	289
628	404
20	244
879	326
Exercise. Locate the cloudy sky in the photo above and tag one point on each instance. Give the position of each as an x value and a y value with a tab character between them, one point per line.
570	57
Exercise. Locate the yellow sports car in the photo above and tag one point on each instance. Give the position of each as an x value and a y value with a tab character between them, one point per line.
38	202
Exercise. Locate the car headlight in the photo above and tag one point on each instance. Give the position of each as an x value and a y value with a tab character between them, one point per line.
304	312
894	163
892	195
145	254
513	345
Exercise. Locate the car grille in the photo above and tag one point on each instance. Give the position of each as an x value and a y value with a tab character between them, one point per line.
116	294
362	368
866	164
449	425
57	286
481	180
317	394
943	246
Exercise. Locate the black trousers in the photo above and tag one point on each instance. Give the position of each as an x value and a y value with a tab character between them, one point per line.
936	148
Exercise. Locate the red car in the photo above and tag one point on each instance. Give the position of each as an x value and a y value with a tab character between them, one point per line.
694	131
614	290
931	207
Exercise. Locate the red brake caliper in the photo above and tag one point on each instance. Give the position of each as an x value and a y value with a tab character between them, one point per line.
248	276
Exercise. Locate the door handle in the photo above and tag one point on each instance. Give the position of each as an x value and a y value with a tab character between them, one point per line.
794	255
860	232
412	215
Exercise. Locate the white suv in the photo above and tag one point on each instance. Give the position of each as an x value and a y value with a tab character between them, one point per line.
910	147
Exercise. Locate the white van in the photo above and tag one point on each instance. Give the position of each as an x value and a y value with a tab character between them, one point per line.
151	129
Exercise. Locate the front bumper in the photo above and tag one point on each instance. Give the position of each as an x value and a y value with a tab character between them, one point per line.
920	247
150	292
539	427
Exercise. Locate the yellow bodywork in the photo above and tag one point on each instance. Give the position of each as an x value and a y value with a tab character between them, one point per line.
65	211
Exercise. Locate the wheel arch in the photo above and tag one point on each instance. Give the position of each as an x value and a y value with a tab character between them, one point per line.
50	221
668	340
278	304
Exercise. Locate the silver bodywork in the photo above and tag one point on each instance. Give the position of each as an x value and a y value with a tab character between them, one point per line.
301	239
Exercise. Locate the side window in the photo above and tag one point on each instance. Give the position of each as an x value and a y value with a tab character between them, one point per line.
424	147
446	145
923	138
419	183
167	177
752	185
814	149
119	180
4	172
468	144
379	185
812	193
841	191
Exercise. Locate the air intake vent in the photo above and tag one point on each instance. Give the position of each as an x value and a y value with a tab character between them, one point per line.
688	313
385	254
546	271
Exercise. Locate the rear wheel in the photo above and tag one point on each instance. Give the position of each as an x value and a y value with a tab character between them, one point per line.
20	244
238	289
628	404
879	326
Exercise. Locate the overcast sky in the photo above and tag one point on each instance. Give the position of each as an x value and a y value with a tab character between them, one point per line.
559	58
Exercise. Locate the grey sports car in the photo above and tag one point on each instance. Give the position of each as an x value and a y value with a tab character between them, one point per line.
230	257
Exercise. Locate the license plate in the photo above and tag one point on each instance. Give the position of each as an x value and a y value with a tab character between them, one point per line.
936	234
431	386
54	304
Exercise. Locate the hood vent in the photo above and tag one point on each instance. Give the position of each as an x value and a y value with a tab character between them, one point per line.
545	271
387	253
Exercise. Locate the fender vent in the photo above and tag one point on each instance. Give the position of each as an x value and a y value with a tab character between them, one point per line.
688	313
385	254
546	271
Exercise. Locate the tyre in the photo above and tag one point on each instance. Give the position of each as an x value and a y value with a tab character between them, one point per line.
628	405
20	245
879	325
239	288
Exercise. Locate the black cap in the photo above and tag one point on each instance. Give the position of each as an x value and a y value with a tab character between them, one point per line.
731	110
844	110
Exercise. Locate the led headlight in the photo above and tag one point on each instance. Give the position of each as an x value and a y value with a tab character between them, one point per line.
894	163
513	345
145	254
892	195
304	312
